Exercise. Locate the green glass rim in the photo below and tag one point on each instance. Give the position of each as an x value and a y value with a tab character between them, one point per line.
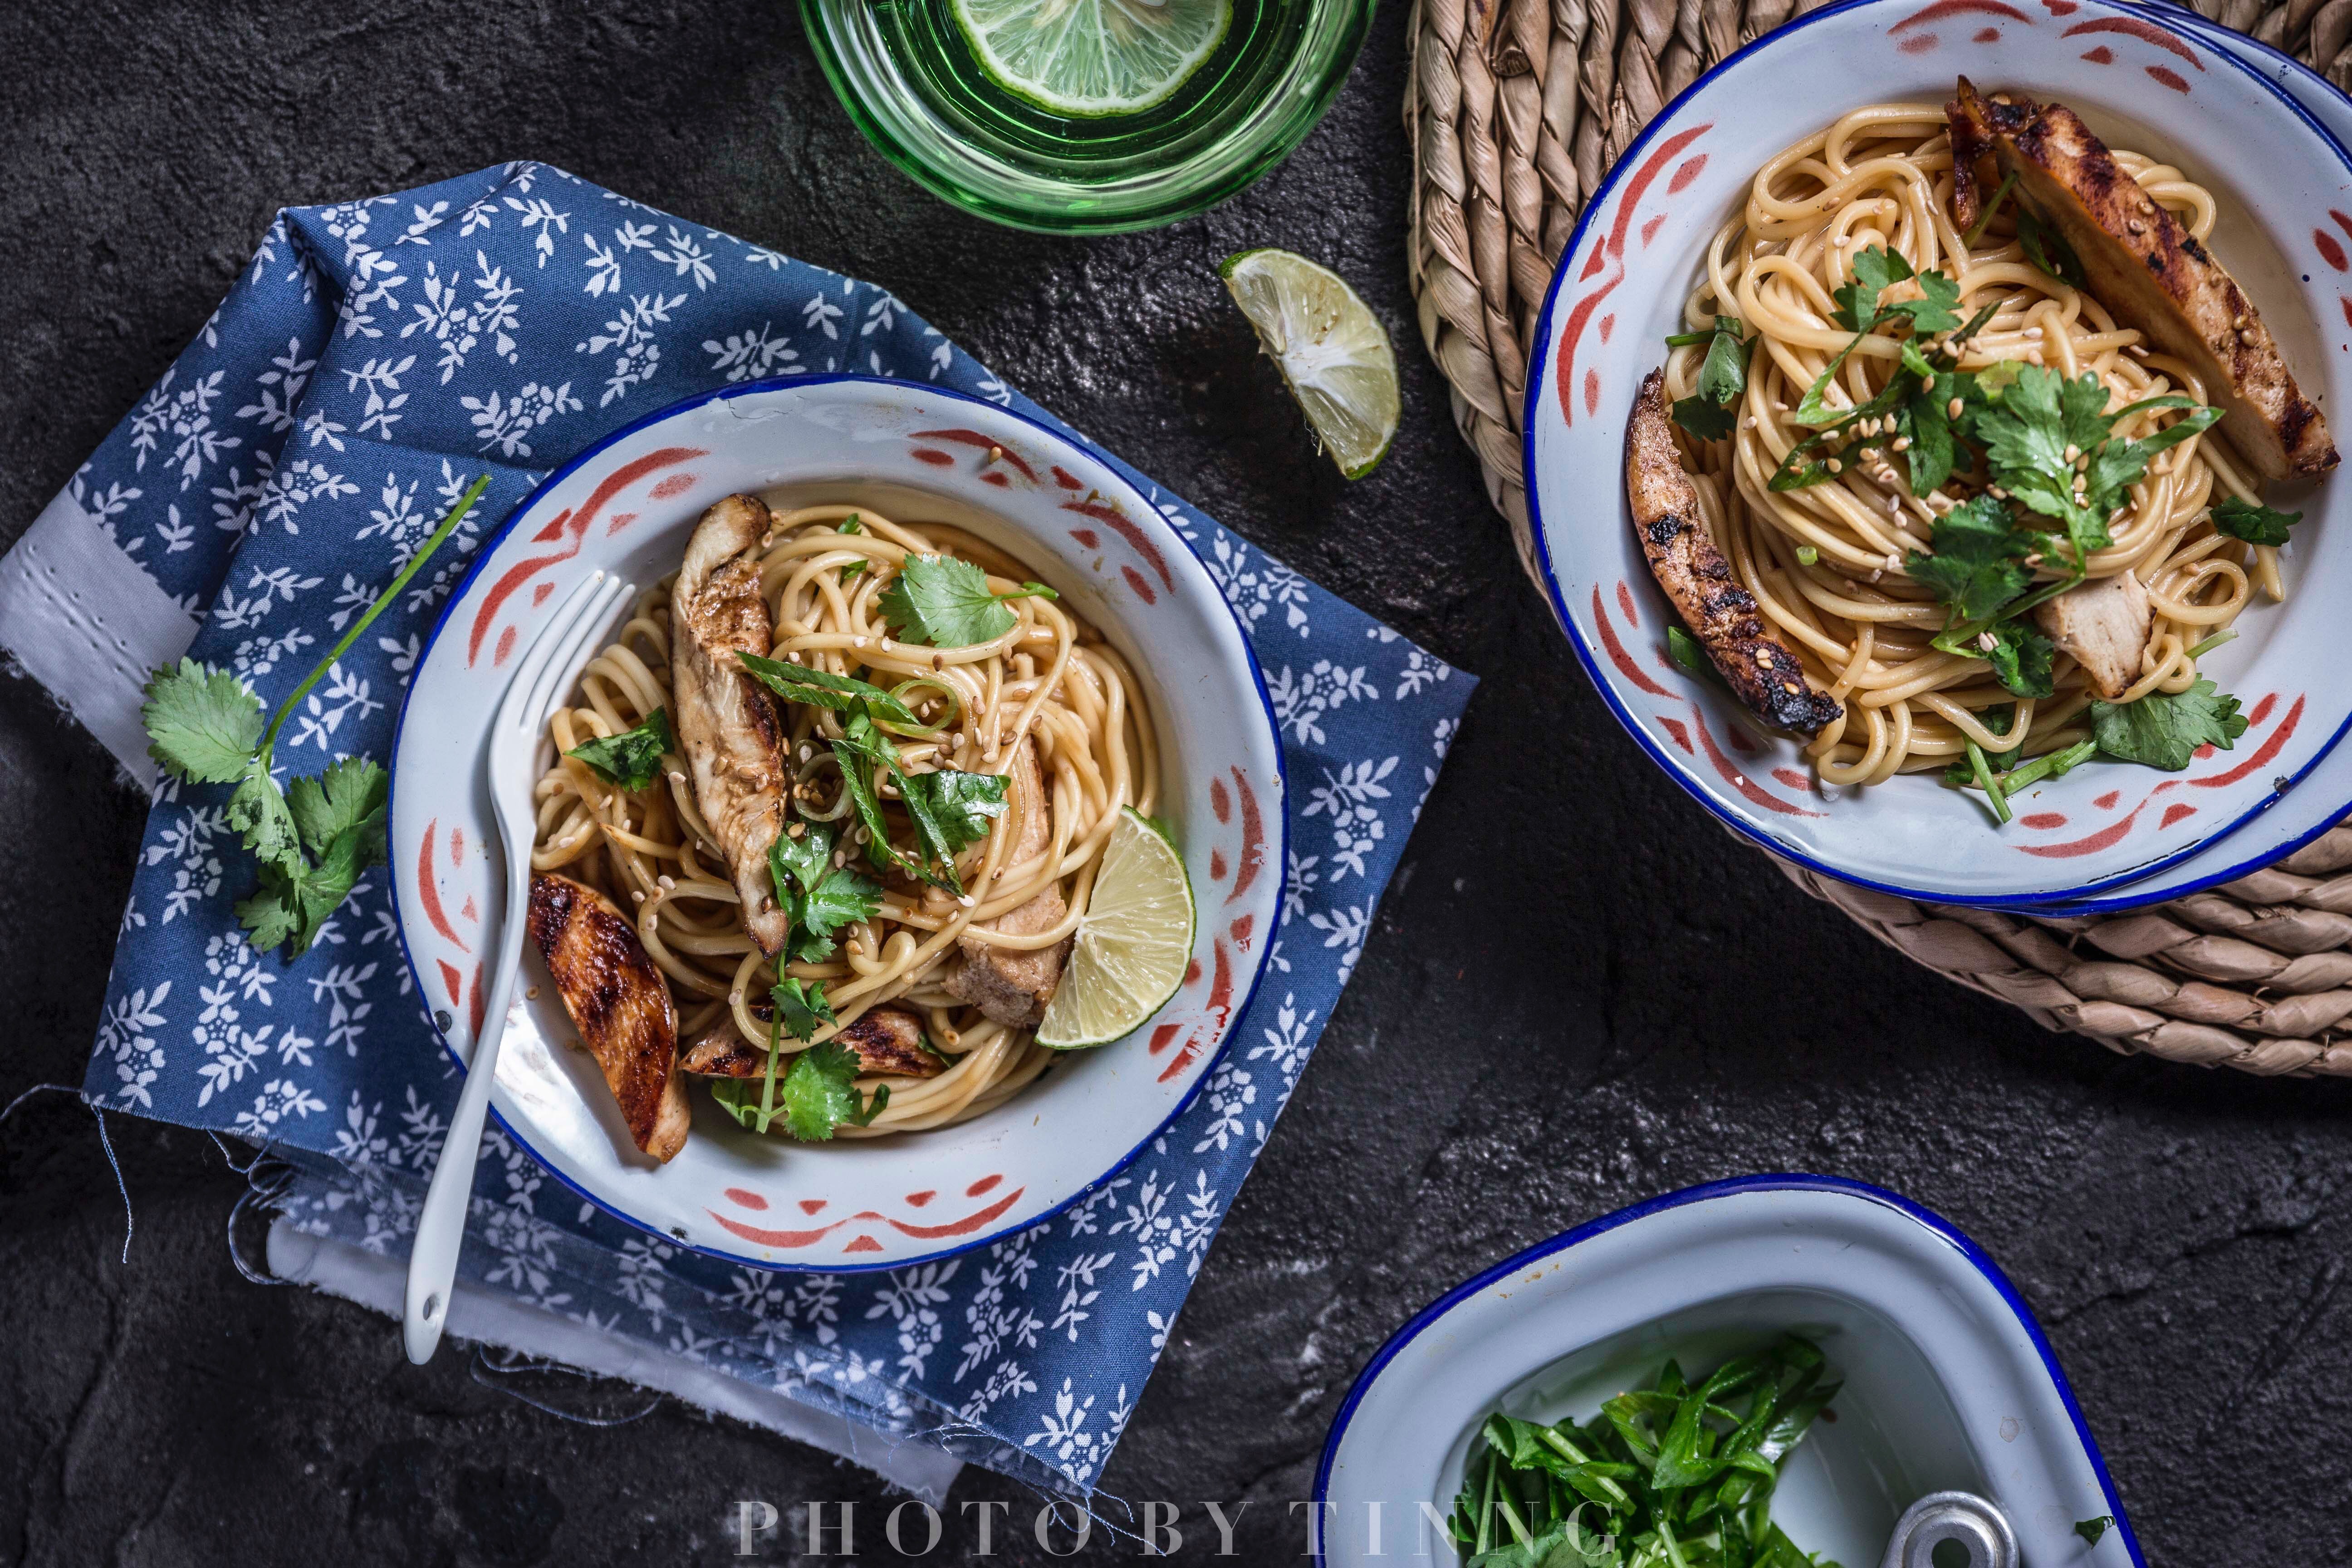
905	130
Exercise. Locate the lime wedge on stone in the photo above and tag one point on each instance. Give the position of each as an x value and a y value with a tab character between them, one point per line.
1332	350
1092	57
1134	943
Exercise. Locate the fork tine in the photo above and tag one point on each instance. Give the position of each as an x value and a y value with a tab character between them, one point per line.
564	658
542	647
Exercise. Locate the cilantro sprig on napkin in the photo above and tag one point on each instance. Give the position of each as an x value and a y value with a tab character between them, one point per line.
313	840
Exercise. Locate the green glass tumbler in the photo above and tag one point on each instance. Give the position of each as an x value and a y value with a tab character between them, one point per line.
909	80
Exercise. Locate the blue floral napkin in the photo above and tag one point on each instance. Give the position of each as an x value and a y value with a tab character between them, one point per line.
373	359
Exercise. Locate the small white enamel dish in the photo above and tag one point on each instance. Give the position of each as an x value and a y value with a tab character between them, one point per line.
922	454
2170	92
1948	1384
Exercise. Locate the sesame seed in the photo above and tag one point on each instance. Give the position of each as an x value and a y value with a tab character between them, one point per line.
840	858
1764	658
734	998
2073	453
1749	423
669	883
1894	561
1954	408
937	662
857	642
638	894
676	777
1835	466
1903	443
2135	227
532	995
796	830
793	657
1790	686
965	899
994	453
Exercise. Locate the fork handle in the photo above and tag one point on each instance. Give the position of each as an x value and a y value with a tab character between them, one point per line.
441	1223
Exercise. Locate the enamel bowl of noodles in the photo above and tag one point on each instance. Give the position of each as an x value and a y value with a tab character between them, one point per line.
1854	95
1135	686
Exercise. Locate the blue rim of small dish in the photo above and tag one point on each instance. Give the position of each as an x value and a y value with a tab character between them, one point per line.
1796	1181
2225	41
785	383
1539	372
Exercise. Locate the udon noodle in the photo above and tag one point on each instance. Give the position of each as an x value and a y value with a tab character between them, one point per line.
1052	679
1883	176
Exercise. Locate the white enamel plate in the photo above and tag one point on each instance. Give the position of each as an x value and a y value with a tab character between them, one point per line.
2171	93
626	506
1948	1384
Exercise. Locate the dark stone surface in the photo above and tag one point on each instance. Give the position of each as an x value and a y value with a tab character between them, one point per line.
1569	1004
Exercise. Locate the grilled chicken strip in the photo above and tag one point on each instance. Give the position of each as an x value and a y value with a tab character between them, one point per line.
619	1003
726	720
1721	614
2104	624
2140	263
1012	984
888	1042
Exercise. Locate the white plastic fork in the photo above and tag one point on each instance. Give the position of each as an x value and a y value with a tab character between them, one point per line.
546	670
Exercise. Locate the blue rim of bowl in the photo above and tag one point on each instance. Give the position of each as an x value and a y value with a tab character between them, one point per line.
785	383
1796	1181
1539	379
2221	38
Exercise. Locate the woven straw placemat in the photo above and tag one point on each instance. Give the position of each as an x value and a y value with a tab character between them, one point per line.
1516	108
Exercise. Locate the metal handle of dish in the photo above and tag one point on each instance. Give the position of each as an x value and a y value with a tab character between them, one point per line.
1942	1520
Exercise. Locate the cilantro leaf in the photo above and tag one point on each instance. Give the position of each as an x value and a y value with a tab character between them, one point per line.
844	897
2119	464
354	794
822	689
2164	729
1933	313
1723	374
1875	270
296	897
943	600
2047	248
633	758
851	525
1977	564
801	1008
800	862
1928	423
1703	419
2252	521
952	809
2095	1529
259	811
202	725
816	1095
1686	651
2021	658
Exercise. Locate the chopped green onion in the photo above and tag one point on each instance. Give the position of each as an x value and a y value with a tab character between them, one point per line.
1808	556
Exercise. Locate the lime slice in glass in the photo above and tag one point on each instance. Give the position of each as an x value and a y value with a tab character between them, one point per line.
1134	943
1332	350
1092	57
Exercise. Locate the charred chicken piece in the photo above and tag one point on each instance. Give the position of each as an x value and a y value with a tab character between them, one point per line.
620	1004
2145	267
1761	669
888	1042
726	723
1010	985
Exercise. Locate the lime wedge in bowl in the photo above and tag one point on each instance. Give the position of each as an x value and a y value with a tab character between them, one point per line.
1088	59
1134	941
1333	352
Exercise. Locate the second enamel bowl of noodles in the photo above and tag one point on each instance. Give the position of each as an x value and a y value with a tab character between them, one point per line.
1621	289
917	455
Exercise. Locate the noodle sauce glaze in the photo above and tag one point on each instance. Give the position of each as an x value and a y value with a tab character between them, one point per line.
996	767
1867	345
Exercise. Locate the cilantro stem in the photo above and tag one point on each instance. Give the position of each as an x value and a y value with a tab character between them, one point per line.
2050	765
1987	783
775	1053
2209	644
367	615
2000	194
